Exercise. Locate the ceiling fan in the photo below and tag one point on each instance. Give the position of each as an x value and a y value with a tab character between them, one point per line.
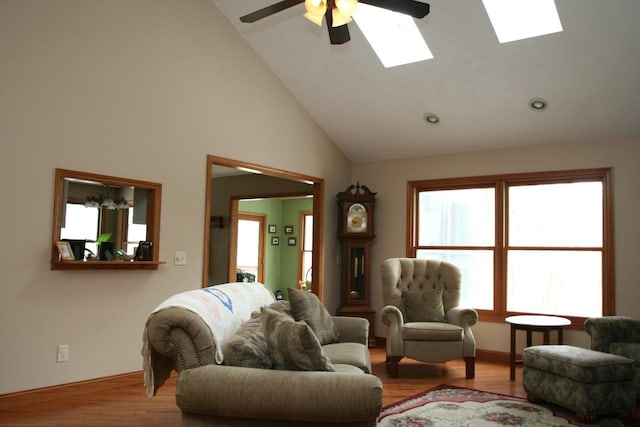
338	13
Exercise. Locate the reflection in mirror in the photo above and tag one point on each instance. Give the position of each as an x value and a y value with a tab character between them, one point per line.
105	219
229	183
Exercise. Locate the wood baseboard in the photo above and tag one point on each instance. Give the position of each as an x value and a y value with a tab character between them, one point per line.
95	382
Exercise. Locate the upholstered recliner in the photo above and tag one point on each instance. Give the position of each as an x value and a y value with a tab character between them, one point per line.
421	313
618	335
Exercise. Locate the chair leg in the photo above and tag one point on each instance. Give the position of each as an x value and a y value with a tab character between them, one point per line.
392	365
470	367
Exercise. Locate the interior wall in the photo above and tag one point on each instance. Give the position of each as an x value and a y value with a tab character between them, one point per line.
140	89
389	180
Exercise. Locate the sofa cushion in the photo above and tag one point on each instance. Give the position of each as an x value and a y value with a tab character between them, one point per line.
348	353
630	350
347	369
579	364
293	345
424	305
307	307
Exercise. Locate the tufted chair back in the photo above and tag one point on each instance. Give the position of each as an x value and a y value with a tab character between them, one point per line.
409	274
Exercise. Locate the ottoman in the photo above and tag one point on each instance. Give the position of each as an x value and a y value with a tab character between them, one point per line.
588	382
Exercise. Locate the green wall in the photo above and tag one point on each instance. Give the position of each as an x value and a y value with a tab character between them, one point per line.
281	261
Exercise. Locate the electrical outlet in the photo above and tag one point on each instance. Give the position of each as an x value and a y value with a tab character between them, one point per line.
63	353
180	258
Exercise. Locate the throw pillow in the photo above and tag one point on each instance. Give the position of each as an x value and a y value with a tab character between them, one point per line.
248	346
307	307
293	345
424	306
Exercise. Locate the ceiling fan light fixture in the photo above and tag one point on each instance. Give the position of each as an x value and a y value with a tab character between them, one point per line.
315	10
339	19
346	7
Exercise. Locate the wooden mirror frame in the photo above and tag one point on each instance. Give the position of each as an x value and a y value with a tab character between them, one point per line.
318	213
153	222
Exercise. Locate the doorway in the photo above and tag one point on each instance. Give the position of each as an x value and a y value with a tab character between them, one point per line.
217	225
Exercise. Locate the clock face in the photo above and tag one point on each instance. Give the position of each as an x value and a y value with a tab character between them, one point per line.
357	218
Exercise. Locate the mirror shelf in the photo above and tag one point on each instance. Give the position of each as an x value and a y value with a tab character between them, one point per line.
106	265
101	234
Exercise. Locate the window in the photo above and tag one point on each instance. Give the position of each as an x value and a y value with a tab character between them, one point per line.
536	243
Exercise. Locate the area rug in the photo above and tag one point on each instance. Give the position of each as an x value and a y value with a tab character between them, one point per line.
451	406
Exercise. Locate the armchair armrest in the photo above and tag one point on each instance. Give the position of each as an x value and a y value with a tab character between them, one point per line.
610	329
461	316
352	329
393	319
248	393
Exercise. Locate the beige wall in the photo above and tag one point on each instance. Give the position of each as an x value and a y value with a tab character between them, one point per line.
390	178
142	89
146	89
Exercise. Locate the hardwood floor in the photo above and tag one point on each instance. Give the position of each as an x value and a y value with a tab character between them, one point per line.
121	401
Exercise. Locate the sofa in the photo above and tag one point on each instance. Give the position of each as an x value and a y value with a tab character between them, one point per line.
245	359
619	335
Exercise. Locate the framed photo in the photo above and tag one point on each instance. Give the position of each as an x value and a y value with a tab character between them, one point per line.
272	228
291	241
275	240
64	249
288	229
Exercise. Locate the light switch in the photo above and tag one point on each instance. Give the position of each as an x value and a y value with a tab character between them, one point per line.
180	258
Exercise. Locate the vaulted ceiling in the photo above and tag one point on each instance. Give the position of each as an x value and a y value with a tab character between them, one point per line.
480	89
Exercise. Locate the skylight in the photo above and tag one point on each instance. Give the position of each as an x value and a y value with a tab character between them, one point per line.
394	37
522	19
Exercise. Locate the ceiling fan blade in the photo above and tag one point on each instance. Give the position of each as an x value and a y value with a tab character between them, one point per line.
337	35
269	10
414	8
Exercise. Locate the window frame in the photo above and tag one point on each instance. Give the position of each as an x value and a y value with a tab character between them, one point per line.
302	232
501	184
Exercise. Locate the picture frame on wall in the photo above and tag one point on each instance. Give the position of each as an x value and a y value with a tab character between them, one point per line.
292	241
275	240
272	229
288	229
65	251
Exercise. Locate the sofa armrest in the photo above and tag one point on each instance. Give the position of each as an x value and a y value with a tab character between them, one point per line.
174	339
266	394
352	329
610	329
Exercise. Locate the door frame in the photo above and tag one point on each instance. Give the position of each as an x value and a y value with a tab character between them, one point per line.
318	212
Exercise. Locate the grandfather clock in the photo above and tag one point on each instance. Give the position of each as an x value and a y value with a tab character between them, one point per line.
355	231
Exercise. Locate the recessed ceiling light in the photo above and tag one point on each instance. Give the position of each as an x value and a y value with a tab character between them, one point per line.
538	104
431	118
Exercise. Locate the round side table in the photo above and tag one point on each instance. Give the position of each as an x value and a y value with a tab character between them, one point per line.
530	324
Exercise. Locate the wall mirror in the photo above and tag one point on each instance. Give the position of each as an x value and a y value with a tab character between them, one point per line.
104	222
233	190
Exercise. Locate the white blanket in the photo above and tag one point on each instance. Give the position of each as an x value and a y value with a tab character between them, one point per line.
222	307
